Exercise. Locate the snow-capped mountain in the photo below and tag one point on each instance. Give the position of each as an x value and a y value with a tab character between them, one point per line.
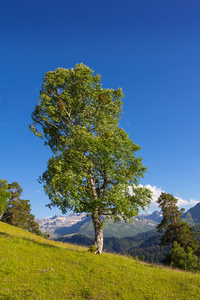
51	224
58	226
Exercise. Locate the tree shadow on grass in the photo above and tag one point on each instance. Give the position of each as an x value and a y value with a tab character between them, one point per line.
46	243
7	297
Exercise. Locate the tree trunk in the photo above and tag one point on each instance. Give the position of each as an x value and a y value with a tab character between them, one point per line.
98	229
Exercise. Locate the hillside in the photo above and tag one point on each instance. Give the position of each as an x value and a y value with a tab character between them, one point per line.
111	244
146	244
34	268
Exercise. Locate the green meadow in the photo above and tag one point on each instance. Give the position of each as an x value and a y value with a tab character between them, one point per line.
35	268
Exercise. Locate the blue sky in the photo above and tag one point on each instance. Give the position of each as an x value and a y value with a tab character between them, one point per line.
149	48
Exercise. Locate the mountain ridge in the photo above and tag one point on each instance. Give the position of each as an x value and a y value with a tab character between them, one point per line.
192	216
58	226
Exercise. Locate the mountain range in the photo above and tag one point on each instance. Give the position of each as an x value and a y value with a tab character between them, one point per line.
59	226
139	238
192	216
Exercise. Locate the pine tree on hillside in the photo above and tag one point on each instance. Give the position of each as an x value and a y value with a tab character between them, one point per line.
15	190
172	227
18	211
171	213
4	195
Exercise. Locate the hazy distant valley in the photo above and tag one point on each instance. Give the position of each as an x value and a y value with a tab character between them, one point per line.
139	238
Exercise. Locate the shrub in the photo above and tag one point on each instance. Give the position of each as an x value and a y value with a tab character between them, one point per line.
92	249
182	259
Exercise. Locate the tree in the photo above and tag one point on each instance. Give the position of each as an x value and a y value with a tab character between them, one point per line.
171	218
94	162
15	190
18	212
172	227
183	259
4	195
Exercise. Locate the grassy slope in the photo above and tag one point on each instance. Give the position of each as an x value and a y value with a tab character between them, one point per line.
34	268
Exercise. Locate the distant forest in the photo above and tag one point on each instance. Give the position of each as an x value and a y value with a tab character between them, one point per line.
144	246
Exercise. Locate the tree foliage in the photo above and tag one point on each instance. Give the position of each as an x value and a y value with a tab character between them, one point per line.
15	190
171	213
18	211
183	259
174	230
4	195
94	162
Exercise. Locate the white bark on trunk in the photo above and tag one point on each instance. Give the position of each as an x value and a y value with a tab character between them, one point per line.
98	233
98	228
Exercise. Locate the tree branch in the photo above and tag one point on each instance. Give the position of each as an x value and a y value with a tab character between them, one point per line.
64	108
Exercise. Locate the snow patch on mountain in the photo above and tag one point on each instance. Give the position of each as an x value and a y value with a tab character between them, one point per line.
58	221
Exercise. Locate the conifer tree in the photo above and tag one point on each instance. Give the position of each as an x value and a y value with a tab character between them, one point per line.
15	190
18	211
172	227
4	195
171	218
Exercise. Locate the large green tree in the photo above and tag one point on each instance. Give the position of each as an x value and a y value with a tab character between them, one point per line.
172	227
4	195
94	162
18	211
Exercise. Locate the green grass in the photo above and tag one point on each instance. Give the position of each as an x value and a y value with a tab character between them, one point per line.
34	268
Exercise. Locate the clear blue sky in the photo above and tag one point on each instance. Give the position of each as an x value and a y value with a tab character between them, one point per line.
149	48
